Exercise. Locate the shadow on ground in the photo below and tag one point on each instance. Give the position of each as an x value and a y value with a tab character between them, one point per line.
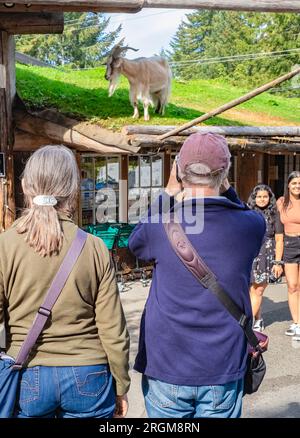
279	313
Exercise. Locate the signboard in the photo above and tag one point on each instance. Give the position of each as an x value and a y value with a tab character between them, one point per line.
2	165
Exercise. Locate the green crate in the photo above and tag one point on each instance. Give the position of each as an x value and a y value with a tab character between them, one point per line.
123	235
108	238
112	233
96	229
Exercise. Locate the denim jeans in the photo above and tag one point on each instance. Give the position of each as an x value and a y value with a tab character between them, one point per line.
164	400
66	392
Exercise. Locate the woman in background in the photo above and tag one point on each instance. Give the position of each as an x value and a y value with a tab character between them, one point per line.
267	267
289	208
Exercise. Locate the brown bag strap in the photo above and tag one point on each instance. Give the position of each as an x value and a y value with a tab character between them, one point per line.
196	265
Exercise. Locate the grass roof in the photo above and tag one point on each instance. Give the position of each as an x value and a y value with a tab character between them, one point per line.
84	95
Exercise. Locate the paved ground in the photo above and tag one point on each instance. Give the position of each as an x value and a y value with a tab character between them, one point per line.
279	395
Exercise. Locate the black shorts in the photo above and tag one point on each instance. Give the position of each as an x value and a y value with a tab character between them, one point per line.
291	252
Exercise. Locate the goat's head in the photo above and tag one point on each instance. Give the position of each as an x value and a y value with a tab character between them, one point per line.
113	65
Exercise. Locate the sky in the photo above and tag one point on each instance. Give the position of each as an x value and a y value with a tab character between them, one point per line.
149	30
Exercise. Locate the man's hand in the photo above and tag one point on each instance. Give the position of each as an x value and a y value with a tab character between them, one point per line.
173	187
121	406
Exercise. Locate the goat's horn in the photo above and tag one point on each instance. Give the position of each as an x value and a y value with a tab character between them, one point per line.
119	44
131	48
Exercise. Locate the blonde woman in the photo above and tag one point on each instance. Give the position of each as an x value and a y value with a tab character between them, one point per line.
79	365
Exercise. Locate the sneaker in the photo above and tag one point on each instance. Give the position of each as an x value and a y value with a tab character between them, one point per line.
291	331
259	325
296	337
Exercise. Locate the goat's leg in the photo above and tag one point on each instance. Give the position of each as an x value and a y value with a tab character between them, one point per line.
146	102
146	111
158	107
134	102
136	114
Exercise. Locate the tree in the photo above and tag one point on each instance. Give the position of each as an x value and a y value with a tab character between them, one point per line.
188	43
83	44
217	39
279	32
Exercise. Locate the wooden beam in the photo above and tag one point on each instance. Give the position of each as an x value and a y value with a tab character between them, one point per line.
18	23
270	147
50	8
90	131
232	103
253	131
7	94
30	60
235	5
246	144
57	133
136	5
26	142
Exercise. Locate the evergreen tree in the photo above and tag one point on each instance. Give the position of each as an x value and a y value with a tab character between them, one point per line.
188	43
83	44
278	32
208	36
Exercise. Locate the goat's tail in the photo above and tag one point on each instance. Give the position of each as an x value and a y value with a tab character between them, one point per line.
169	83
166	91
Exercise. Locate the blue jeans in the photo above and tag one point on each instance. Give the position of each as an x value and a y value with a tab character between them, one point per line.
164	400
66	392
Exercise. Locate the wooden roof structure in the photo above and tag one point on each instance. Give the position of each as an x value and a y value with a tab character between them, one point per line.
266	139
137	5
46	16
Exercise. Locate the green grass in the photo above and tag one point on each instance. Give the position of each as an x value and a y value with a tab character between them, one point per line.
84	95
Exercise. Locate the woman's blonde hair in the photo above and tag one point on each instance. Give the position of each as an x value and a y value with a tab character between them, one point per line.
51	170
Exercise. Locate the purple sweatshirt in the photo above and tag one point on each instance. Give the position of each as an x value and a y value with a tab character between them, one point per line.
187	337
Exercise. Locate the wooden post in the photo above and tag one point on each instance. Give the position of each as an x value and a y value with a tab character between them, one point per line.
167	167
232	103
78	213
123	190
248	165
7	94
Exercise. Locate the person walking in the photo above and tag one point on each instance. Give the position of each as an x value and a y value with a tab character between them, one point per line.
79	364
289	209
267	267
192	352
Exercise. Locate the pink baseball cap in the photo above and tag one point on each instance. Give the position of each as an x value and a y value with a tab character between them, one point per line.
209	149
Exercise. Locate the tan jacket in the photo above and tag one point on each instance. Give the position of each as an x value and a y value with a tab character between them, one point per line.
87	325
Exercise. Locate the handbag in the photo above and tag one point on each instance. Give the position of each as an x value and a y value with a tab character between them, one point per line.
10	369
257	342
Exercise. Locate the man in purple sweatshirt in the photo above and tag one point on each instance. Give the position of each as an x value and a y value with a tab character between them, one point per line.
192	352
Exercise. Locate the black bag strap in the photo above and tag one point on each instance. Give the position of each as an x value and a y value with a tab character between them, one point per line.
196	265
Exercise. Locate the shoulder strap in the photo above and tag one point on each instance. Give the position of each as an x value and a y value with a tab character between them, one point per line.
52	295
196	265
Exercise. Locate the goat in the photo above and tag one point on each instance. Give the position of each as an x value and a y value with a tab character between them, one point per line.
149	79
